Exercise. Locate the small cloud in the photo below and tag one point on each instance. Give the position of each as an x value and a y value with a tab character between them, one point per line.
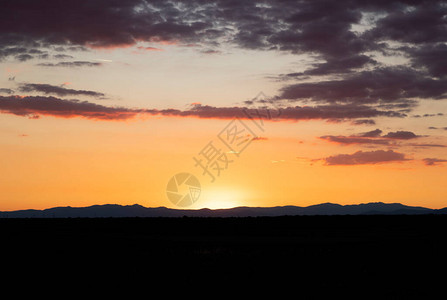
259	138
210	51
6	91
373	133
71	64
363	122
428	115
57	90
401	135
23	57
427	145
23	135
62	56
433	161
365	158
375	137
346	140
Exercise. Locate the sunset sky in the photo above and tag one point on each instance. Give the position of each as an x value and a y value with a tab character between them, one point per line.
104	101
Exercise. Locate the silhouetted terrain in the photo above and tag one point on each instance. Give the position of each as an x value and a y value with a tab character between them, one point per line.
114	210
304	257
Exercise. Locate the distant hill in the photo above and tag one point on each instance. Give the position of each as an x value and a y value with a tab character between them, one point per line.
119	211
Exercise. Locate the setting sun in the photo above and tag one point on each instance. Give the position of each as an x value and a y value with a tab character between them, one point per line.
217	198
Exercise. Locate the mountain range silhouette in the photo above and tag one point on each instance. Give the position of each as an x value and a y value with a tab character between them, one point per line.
120	211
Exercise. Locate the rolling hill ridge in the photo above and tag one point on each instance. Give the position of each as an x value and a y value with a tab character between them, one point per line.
119	211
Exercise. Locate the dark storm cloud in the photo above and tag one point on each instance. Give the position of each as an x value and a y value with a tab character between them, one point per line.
421	25
56	90
430	57
101	23
365	158
320	26
324	29
419	22
383	85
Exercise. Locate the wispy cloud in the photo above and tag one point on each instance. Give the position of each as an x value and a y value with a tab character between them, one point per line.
57	90
35	106
71	64
26	105
6	91
433	161
349	140
365	158
374	137
401	135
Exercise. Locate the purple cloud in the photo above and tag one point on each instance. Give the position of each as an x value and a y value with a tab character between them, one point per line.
365	158
433	161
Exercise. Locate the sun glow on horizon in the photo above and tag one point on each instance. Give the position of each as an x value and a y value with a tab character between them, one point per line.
220	198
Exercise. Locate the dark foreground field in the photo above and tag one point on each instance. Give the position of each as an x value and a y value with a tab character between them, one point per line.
380	257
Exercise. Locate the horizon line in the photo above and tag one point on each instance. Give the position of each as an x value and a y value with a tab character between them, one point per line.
216	209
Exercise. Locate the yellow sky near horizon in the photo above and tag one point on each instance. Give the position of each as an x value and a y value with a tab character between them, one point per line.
75	162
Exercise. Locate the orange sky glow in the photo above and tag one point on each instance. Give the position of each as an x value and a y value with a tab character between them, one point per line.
103	115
